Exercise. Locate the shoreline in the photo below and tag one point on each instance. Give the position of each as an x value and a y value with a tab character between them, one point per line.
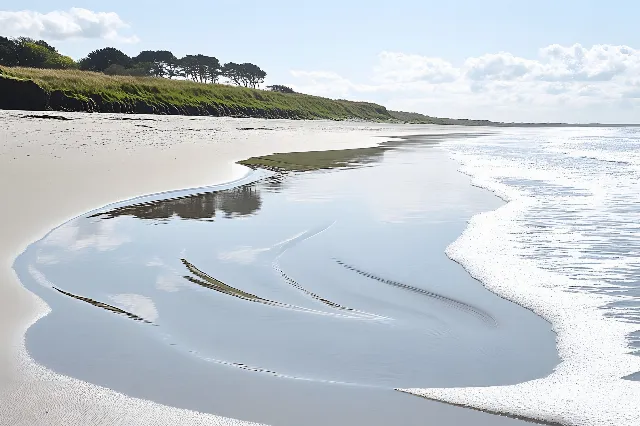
121	409
593	347
28	387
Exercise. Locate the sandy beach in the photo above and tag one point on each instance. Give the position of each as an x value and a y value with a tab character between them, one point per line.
56	169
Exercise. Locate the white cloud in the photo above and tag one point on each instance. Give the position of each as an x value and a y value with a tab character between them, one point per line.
324	83
563	83
62	25
137	304
79	235
599	63
498	66
402	68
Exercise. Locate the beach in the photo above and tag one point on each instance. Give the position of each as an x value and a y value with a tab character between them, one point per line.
56	169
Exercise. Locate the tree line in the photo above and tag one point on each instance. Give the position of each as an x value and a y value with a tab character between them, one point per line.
26	52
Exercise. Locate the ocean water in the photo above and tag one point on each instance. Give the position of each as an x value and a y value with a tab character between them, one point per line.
279	295
567	245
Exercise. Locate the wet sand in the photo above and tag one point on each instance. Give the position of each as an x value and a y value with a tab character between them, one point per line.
50	172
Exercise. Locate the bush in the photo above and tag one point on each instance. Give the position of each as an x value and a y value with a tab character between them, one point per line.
280	88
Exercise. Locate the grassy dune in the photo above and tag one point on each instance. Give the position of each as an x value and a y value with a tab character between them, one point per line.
161	91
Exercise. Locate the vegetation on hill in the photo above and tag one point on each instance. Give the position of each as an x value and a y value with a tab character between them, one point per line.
32	53
416	118
26	52
76	90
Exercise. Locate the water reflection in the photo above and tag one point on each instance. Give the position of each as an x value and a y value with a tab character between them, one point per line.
323	293
242	201
246	200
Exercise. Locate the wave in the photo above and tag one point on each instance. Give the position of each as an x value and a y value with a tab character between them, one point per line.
563	271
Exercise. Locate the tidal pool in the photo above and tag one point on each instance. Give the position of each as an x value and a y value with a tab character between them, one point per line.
317	284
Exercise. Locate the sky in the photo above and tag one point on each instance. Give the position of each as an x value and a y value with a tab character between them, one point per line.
518	60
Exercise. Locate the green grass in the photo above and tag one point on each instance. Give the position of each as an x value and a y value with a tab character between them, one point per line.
82	84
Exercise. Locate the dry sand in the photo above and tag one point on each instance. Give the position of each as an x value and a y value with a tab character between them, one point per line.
53	170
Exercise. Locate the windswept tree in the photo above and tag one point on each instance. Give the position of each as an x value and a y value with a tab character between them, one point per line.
160	61
254	75
173	69
201	68
233	72
101	59
247	75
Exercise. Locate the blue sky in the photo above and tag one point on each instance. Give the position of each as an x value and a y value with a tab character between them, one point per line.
486	59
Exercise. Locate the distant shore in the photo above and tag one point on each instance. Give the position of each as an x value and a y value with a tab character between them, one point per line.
32	89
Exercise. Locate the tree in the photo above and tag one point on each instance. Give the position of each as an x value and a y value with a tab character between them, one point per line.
99	60
173	69
8	52
41	43
254	75
233	72
26	52
32	55
57	61
247	75
189	67
201	68
161	60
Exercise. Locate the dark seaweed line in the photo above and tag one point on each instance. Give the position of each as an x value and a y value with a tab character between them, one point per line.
209	282
449	301
239	295
275	373
317	297
104	306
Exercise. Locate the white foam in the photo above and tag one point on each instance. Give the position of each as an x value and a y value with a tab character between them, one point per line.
557	252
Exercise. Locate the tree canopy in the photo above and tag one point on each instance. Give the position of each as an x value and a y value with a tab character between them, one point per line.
26	52
160	60
101	59
247	75
205	69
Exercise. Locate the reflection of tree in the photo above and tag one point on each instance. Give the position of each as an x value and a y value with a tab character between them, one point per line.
240	201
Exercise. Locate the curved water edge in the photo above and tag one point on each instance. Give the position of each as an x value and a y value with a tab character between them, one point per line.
133	411
212	282
568	226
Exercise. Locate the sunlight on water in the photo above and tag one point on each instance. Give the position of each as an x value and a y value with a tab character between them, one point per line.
568	246
328	272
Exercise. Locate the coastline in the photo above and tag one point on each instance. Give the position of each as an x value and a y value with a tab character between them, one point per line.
28	390
588	387
117	158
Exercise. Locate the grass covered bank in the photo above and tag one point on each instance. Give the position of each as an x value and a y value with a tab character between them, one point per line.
73	90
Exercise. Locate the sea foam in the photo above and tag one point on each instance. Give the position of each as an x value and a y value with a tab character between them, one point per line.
566	246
